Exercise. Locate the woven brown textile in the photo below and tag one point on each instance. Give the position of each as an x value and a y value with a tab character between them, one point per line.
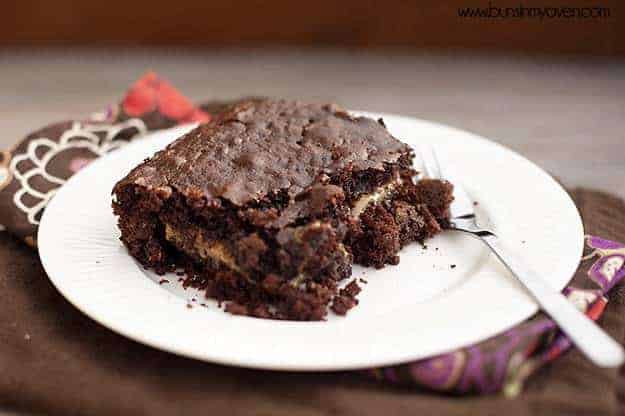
54	360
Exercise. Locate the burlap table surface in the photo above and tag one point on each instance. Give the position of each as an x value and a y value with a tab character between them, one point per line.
54	360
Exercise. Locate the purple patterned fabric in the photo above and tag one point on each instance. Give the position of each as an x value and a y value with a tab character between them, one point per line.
608	268
503	363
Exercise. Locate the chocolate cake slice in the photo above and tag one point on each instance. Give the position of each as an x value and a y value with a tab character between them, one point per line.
269	205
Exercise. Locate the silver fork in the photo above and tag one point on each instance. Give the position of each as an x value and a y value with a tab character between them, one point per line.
596	344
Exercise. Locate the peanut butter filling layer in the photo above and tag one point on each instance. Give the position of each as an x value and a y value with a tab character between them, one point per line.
217	251
378	195
205	249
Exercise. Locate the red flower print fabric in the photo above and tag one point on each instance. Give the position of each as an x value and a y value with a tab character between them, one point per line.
152	93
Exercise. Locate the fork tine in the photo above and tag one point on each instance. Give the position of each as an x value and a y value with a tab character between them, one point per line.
438	165
430	163
462	206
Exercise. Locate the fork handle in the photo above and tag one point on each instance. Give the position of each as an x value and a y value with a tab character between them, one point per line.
595	343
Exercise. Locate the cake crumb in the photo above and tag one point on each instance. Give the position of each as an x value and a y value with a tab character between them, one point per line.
27	337
453	266
475	203
346	299
189	306
363	280
342	304
352	289
236	308
163	281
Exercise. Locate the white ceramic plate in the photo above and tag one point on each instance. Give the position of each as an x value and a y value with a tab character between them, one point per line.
420	308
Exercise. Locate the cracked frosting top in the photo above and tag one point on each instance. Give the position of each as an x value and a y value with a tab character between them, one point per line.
262	146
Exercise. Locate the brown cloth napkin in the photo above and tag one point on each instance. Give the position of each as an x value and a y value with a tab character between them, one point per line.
54	360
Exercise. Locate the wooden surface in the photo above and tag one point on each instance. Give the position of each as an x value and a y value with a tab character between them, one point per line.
566	115
363	23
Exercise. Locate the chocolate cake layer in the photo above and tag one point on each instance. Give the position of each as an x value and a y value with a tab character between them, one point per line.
269	205
259	147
